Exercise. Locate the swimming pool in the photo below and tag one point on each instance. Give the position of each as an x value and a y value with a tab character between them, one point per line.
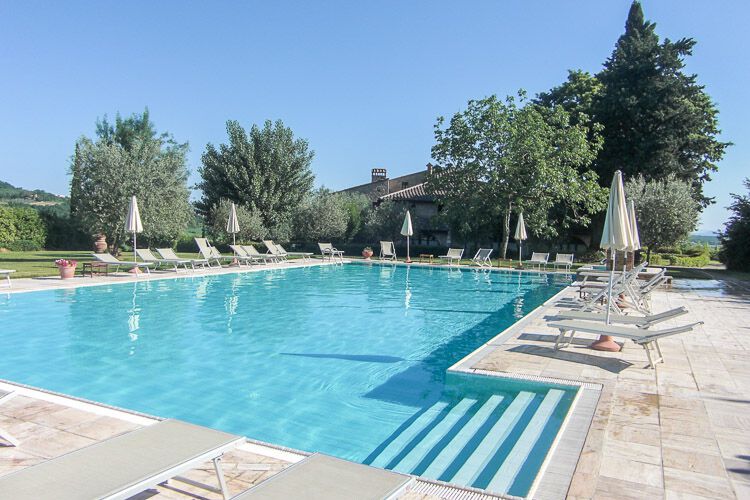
347	360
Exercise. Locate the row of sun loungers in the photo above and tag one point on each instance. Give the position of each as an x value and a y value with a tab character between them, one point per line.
128	464
628	315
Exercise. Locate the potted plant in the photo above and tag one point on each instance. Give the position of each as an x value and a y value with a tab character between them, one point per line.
66	267
100	243
367	253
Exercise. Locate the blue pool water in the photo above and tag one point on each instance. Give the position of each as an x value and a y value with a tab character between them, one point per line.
347	360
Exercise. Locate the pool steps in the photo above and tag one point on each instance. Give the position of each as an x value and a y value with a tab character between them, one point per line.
431	444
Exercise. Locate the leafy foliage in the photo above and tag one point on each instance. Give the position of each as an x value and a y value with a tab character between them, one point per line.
384	222
657	120
251	224
266	171
322	216
21	227
666	210
735	239
495	158
131	160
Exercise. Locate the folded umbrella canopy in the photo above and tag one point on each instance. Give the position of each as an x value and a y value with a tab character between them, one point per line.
615	237
407	230
133	222
520	235
233	225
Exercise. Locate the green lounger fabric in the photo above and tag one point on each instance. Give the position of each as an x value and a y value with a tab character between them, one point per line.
320	477
108	467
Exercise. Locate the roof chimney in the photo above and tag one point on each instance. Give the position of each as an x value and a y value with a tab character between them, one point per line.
379	174
429	168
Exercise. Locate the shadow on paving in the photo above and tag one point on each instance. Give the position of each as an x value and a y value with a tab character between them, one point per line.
611	365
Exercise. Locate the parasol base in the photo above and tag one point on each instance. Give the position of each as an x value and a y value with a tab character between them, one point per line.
408	261
135	271
605	343
234	263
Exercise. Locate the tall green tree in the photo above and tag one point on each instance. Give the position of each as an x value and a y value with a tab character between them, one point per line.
735	239
496	158
322	216
665	209
266	171
120	163
657	120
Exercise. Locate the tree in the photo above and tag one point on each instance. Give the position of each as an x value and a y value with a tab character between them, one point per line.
658	121
322	216
251	224
666	210
266	171
122	162
735	239
496	158
384	222
357	206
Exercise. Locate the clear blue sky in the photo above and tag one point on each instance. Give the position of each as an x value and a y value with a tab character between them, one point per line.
362	82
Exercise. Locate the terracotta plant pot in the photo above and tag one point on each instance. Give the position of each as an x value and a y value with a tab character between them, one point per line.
367	254
100	244
67	272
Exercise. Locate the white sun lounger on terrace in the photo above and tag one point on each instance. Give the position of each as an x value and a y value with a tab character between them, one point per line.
147	256
648	339
211	254
630	319
124	465
453	255
274	250
305	255
539	259
387	250
5	435
7	273
482	257
563	260
168	254
255	254
242	256
111	260
327	250
320	477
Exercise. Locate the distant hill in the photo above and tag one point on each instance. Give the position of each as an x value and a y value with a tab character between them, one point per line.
38	198
711	239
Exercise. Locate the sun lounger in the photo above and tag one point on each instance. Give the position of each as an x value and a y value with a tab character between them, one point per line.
5	435
648	339
111	260
7	273
124	465
563	260
453	255
328	250
210	253
274	250
639	321
305	255
255	254
482	257
320	477
387	250
242	256
539	259
147	256
168	254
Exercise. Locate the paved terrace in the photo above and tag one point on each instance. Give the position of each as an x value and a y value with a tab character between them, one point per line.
680	431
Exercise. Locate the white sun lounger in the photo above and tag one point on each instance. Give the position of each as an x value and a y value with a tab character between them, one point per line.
539	259
274	250
111	260
211	253
563	260
387	250
253	253
328	250
482	257
5	435
7	273
124	465
453	255
639	321
147	256
168	254
320	477
242	256
648	339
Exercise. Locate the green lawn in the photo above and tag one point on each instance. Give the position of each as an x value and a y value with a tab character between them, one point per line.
41	263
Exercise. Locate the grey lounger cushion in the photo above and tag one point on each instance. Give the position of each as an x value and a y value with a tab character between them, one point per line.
320	477
121	466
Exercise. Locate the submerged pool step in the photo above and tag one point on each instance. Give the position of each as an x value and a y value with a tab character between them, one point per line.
396	446
506	474
436	434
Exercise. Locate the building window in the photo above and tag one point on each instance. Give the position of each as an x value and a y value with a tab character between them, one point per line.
404	185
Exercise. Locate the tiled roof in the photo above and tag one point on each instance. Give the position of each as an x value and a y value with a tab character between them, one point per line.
417	192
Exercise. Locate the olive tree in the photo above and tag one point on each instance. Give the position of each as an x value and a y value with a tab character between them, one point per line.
322	216
251	223
667	210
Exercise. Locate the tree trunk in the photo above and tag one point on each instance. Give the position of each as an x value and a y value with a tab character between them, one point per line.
506	232
648	254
